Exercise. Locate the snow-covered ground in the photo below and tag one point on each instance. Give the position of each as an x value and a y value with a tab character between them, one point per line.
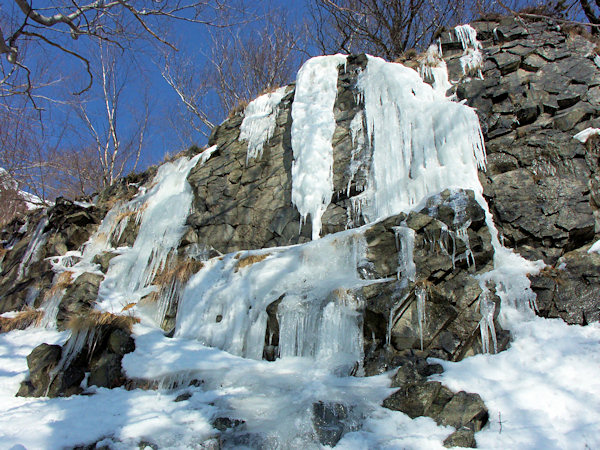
544	392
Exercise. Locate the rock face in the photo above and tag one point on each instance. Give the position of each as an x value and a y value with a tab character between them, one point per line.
540	87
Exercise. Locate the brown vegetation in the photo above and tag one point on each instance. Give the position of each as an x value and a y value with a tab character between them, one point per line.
97	319
249	260
64	279
23	320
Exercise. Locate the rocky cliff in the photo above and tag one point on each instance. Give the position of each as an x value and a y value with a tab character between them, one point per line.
352	218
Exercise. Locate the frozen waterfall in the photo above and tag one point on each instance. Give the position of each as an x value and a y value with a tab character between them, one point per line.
312	129
225	304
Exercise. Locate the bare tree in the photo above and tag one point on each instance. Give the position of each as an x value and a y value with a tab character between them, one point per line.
242	63
117	147
58	25
383	27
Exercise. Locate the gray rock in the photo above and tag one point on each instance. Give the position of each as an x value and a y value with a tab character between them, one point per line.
42	382
464	438
329	422
106	371
571	292
507	62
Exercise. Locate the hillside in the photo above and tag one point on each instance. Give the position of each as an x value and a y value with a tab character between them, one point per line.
380	255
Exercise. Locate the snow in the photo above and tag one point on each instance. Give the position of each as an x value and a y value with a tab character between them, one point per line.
595	247
259	122
543	392
312	129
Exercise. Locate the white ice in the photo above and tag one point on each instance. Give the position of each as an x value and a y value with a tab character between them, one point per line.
422	143
224	304
312	129
161	212
259	122
433	68
471	61
38	240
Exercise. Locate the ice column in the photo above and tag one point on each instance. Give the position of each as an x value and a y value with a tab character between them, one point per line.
312	130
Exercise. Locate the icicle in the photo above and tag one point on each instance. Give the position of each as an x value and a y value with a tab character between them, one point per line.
463	234
224	304
312	130
487	308
38	240
467	36
259	122
357	134
85	337
405	244
50	308
471	61
421	296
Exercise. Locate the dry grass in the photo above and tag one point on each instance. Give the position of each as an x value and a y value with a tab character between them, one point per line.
181	272
97	319
128	306
63	281
237	109
249	260
23	320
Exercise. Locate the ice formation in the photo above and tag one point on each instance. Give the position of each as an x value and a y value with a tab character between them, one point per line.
421	143
433	68
471	61
312	129
32	253
595	248
487	308
405	244
161	213
225	304
584	135
421	297
259	122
